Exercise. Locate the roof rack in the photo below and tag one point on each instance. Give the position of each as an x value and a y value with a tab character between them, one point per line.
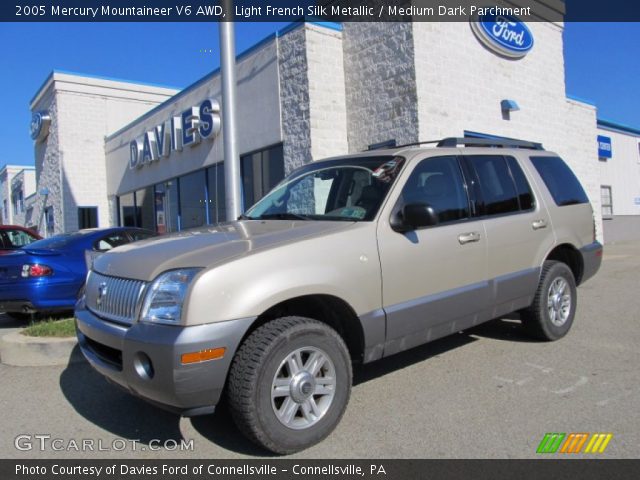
466	141
489	142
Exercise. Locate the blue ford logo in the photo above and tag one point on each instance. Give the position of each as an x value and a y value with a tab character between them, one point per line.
504	34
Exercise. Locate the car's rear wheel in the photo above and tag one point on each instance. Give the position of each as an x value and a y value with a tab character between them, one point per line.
551	314
289	384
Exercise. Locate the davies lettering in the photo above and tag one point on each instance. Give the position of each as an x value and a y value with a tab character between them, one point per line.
184	130
504	34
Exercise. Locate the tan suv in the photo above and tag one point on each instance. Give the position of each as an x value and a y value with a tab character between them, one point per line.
347	260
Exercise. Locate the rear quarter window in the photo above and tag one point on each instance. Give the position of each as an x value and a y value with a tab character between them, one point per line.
560	180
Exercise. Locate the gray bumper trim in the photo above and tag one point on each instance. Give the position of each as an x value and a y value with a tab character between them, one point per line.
193	389
591	260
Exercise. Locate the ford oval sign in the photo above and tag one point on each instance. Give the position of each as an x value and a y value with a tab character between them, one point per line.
504	34
40	125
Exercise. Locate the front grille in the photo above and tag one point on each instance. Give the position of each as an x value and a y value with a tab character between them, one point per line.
113	298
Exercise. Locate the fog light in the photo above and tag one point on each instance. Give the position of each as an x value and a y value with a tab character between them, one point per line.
143	366
202	355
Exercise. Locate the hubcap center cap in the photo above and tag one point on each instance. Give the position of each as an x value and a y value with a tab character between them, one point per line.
302	386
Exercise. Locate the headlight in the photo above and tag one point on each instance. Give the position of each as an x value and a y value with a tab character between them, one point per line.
164	298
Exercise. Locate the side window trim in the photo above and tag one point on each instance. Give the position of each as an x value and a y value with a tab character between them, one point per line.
526	180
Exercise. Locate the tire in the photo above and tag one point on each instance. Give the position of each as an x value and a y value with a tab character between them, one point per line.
296	417
20	316
551	314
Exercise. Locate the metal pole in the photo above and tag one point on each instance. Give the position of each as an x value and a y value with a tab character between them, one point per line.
233	201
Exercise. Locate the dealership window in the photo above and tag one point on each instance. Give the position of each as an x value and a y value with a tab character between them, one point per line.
87	217
127	210
145	208
192	200
49	221
18	202
215	184
261	171
198	198
606	201
166	201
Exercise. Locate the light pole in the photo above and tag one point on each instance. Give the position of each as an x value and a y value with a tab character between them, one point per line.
233	200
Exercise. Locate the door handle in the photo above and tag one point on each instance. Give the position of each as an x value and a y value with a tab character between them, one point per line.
538	224
468	237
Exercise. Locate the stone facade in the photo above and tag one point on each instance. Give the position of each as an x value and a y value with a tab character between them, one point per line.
380	80
312	95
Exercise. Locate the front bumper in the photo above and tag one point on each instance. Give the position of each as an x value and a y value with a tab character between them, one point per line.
591	260
144	359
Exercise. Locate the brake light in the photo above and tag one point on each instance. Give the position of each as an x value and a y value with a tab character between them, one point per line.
35	270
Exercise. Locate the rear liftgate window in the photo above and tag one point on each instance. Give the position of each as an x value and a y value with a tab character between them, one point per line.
560	180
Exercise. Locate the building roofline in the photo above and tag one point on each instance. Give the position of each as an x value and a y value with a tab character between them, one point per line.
618	127
277	34
575	98
20	167
51	77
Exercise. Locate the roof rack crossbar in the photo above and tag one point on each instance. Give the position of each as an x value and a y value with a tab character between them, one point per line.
489	142
415	144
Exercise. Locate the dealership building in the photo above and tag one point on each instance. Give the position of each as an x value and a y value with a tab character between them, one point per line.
111	152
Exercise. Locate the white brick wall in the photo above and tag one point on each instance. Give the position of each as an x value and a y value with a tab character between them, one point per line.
327	101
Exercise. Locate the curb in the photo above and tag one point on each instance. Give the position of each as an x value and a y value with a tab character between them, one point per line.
22	351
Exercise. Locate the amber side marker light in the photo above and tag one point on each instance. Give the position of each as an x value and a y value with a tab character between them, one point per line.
202	355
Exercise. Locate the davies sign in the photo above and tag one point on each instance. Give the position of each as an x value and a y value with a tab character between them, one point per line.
184	130
504	34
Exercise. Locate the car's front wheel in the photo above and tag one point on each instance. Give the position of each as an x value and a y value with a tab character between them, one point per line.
289	384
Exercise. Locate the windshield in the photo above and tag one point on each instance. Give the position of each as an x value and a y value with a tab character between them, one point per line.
350	190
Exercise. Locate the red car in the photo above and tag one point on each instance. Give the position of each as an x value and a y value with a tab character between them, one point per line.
15	236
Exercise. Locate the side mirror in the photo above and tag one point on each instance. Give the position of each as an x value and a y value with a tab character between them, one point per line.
414	216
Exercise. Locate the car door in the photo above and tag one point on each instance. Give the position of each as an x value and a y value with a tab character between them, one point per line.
517	226
434	278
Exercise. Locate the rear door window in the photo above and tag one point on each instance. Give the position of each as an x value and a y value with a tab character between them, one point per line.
497	187
562	183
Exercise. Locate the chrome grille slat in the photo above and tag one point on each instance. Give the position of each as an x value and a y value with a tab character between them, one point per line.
119	298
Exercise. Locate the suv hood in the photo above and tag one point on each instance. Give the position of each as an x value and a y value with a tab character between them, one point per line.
206	247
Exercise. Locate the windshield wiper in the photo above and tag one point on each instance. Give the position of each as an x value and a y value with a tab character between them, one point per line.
281	216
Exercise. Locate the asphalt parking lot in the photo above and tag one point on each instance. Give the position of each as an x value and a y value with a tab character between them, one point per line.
489	392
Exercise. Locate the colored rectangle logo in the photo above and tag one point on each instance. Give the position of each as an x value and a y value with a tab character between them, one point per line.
576	442
604	147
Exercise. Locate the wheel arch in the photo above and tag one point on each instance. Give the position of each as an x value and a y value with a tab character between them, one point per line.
329	309
570	256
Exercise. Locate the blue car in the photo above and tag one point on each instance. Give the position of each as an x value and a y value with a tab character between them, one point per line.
47	275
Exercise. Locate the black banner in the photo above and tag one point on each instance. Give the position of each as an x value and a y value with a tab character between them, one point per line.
286	469
318	10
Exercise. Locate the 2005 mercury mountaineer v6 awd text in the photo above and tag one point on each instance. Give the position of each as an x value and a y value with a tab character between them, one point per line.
347	260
